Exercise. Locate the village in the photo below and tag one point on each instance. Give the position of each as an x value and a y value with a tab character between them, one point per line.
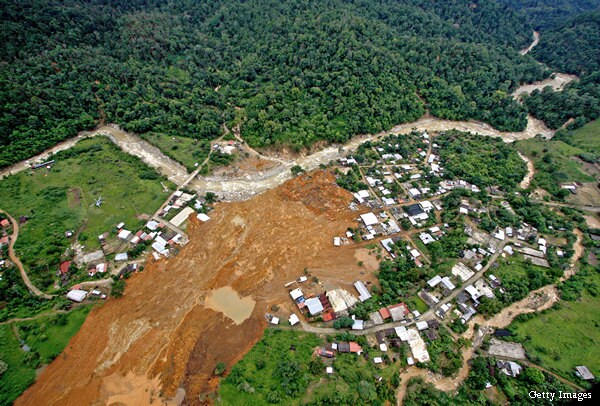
410	215
399	193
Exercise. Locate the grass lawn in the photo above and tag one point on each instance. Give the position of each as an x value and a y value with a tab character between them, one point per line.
588	137
22	365
566	168
186	151
62	199
565	337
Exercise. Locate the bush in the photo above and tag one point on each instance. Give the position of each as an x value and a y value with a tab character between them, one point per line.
118	287
220	368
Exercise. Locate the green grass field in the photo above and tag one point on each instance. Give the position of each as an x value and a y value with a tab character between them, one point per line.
566	337
561	153
62	199
186	151
257	378
49	336
588	137
21	366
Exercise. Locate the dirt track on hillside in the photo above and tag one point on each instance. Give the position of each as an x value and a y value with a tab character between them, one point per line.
159	337
17	261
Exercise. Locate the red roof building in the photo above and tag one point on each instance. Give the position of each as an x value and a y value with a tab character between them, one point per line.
328	316
385	313
64	267
4	223
354	347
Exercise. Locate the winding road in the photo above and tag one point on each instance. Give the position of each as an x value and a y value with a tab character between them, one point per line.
15	259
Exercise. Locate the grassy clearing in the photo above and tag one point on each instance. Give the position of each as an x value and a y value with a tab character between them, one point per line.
272	368
58	331
62	199
186	151
554	164
562	338
49	336
255	377
18	376
588	137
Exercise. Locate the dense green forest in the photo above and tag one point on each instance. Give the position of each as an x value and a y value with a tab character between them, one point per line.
571	46
295	72
548	13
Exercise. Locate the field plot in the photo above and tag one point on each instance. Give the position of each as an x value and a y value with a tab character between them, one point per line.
560	339
186	151
50	202
588	137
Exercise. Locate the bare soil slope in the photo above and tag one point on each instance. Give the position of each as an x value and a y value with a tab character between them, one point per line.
159	337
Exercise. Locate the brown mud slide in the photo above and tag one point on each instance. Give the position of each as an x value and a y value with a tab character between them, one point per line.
159	343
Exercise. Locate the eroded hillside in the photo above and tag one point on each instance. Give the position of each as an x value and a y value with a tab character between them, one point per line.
160	337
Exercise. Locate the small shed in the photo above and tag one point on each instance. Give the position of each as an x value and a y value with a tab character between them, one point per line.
584	373
76	295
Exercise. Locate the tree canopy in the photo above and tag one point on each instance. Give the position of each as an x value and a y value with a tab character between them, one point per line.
293	72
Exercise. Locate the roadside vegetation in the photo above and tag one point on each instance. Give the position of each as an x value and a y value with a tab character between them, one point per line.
45	338
474	392
554	164
567	334
54	201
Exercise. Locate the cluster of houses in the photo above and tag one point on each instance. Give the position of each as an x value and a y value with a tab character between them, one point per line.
77	294
228	147
342	347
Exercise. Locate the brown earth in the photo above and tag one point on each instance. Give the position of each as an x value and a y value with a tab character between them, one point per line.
74	197
159	339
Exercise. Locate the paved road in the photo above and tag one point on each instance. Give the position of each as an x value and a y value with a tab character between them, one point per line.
15	259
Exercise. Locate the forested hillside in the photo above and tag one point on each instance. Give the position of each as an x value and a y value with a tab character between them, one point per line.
572	47
545	14
293	72
570	43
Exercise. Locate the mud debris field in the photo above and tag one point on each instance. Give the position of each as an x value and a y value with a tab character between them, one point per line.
161	339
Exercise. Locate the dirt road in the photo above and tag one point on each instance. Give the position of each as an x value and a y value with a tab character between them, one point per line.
37	316
530	172
15	259
536	40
